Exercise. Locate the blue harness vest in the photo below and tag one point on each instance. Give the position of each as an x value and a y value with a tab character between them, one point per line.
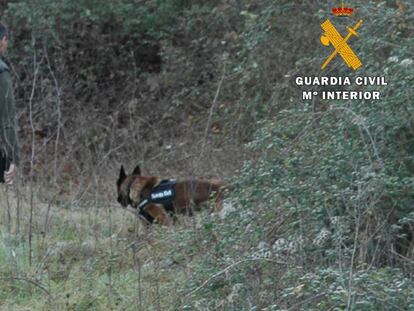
163	193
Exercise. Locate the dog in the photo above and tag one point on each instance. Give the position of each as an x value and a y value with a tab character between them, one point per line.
156	200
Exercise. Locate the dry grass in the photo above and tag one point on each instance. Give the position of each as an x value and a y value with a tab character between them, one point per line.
81	258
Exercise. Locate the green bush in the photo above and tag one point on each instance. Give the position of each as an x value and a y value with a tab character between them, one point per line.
82	37
331	183
362	289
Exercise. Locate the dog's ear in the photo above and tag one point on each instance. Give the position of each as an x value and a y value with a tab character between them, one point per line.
137	171
122	175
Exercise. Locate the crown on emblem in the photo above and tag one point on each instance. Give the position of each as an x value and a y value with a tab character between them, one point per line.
342	11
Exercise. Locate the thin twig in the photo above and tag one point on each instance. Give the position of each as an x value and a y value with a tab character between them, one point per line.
230	267
33	282
210	114
59	112
306	301
36	67
351	270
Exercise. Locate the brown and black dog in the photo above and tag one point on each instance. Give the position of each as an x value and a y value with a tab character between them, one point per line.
185	196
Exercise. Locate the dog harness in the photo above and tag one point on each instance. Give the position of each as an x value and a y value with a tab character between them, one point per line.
163	193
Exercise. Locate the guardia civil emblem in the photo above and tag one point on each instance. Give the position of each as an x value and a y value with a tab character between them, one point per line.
340	45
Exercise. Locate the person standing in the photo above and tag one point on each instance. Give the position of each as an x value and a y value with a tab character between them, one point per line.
9	149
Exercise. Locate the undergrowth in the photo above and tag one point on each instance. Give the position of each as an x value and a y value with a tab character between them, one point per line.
319	216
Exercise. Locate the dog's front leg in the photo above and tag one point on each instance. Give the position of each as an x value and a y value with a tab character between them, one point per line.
159	214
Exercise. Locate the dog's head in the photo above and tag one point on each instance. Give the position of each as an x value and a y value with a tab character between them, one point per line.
123	185
133	188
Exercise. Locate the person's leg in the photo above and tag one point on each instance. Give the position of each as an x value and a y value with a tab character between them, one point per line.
4	166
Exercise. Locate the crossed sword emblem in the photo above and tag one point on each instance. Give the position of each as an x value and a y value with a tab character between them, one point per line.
340	44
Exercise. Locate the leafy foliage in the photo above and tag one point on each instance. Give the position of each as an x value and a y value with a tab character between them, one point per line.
330	190
320	215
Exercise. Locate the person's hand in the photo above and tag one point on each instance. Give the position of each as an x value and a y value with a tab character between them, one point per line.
10	174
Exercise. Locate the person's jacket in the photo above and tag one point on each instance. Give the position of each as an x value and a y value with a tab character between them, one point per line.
8	126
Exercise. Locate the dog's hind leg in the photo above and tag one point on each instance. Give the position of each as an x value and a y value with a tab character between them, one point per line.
189	209
219	197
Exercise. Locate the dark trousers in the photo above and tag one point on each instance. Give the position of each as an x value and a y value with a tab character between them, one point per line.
4	166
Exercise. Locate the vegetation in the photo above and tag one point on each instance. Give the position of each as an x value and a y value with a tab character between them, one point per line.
320	215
